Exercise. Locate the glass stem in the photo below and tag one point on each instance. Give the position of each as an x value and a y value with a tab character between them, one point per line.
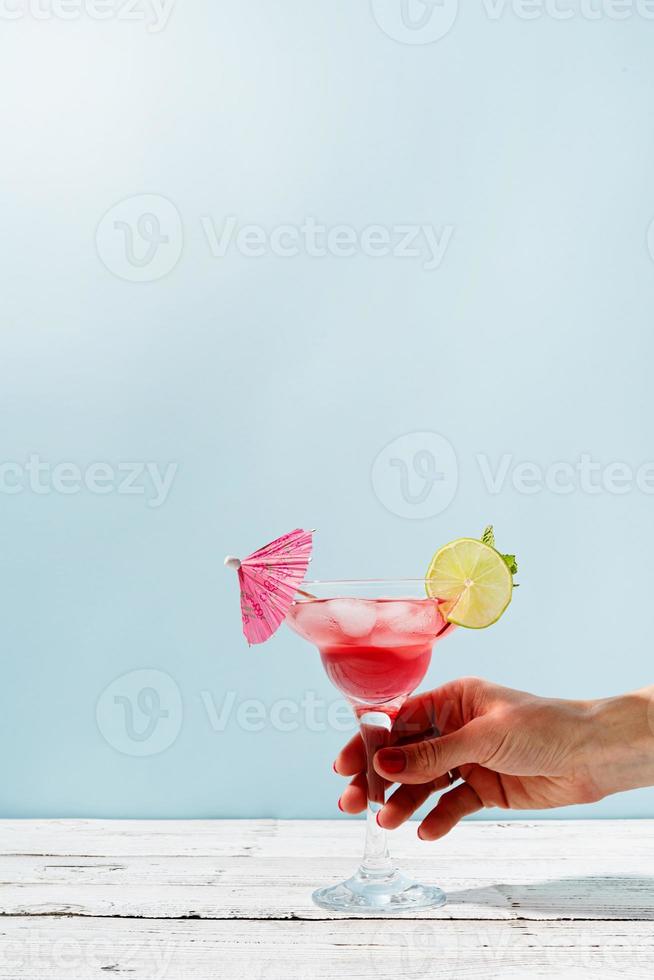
375	731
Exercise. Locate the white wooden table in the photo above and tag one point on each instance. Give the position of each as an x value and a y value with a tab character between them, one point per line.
147	900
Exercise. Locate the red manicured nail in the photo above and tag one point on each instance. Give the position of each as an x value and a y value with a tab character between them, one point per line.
340	807
334	768
377	818
392	760
420	834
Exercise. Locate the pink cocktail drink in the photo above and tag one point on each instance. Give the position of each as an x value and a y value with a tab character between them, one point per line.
375	639
375	651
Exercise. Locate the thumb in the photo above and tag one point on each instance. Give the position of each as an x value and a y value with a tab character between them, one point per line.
419	762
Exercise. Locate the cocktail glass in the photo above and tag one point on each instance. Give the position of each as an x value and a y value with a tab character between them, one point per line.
375	639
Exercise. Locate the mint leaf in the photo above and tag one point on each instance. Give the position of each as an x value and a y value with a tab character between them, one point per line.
511	563
488	537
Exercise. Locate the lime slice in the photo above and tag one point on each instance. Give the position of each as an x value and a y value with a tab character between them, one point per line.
473	581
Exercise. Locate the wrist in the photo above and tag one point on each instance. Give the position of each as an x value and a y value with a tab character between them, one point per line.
620	745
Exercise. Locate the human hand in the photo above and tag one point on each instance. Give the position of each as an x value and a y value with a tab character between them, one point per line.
510	749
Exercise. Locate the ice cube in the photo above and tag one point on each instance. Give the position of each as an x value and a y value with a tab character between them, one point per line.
354	617
401	621
312	620
395	615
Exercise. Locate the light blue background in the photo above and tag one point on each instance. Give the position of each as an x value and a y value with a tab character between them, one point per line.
274	382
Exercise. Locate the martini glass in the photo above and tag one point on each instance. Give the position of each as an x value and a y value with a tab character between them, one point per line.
375	639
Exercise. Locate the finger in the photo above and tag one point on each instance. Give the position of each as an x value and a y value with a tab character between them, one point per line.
420	762
433	712
405	801
492	787
433	731
352	757
452	807
354	798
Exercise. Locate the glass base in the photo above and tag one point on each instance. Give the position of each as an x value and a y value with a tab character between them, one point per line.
365	894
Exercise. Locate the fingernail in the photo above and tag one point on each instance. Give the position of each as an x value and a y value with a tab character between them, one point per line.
392	760
340	806
377	815
334	768
420	834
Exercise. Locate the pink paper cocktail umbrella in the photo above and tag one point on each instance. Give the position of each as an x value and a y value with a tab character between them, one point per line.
269	580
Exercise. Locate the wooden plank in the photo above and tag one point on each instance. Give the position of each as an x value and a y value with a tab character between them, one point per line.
106	838
554	899
36	949
195	871
257	888
277	838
